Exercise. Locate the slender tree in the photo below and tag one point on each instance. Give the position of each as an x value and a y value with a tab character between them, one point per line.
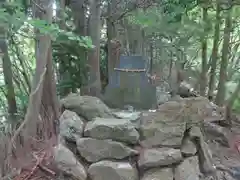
220	98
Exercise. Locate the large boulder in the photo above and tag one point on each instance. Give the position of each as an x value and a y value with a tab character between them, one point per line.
115	129
67	163
108	170
158	174
94	150
202	106
71	126
150	158
188	169
88	107
166	127
161	129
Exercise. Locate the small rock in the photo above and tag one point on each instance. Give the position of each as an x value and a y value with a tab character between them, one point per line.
94	150
150	158
158	174
108	170
188	169
132	116
115	129
88	107
68	164
71	126
188	147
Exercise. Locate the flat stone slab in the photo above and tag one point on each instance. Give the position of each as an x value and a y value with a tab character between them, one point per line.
94	150
150	158
111	128
109	170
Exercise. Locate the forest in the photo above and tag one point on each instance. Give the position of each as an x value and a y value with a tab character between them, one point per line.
50	48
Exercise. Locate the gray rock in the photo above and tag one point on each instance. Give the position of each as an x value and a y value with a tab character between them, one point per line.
86	106
204	152
195	132
132	116
94	150
158	174
71	126
217	133
188	169
150	158
161	129
167	126
115	129
108	170
68	164
188	147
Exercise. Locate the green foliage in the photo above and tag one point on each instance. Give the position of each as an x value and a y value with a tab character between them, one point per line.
18	28
69	55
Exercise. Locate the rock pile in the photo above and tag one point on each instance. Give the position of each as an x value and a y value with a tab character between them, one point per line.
170	144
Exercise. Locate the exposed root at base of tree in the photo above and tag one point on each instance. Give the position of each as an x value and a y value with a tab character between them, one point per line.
39	165
33	157
35	165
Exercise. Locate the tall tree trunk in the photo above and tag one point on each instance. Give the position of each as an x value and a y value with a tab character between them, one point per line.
43	94
7	70
212	80
8	78
93	56
203	81
50	103
111	35
224	62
